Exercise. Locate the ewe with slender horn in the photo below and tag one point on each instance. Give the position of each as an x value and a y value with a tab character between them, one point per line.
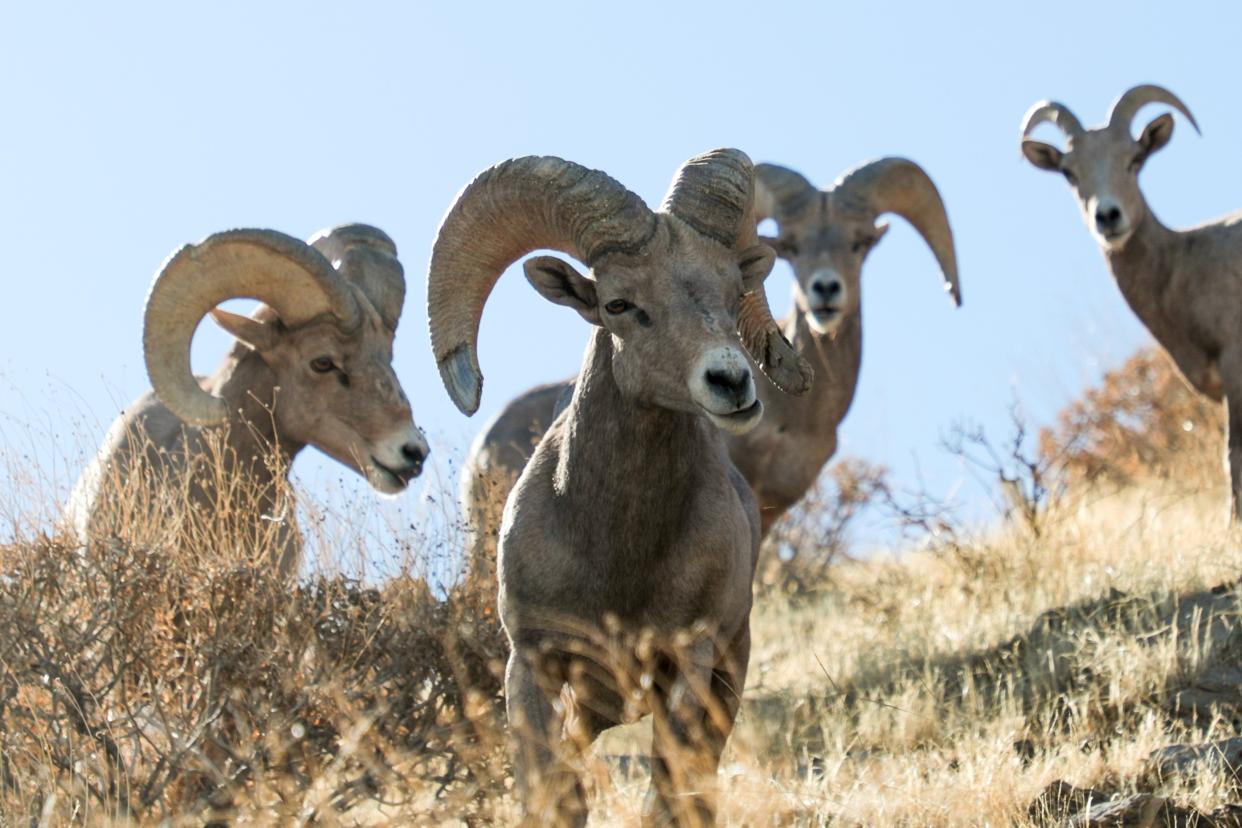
826	236
630	511
312	366
1052	112
1185	285
1121	117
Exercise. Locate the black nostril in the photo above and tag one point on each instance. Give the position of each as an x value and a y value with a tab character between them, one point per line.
828	290
413	453
1109	217
729	383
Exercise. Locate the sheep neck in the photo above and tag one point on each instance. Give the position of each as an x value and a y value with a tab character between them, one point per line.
1143	268
836	359
631	466
248	387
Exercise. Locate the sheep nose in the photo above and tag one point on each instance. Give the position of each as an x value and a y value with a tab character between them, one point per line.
1106	218
828	289
414	454
732	384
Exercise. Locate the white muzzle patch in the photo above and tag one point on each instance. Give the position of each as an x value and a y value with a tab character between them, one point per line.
722	384
826	297
1108	222
397	459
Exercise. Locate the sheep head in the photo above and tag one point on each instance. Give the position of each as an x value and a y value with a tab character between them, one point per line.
675	289
320	333
826	235
1102	164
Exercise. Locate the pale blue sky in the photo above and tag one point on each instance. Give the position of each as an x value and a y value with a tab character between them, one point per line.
131	130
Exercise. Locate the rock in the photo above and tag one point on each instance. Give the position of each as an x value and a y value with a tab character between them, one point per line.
1139	811
1186	760
1061	800
1062	804
1216	691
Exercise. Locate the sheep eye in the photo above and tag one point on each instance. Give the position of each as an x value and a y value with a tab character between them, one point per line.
862	244
1136	163
790	245
617	306
1069	176
322	365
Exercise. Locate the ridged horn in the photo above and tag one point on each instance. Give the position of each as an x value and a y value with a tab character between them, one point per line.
283	272
1055	113
367	257
509	210
896	185
714	194
1121	116
780	192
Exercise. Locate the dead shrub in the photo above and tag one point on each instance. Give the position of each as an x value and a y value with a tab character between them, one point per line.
1142	422
171	671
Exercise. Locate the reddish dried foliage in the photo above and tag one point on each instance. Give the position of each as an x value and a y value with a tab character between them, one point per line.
1143	421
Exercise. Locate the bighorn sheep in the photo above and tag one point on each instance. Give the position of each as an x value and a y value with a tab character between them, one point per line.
1185	285
826	236
312	366
629	515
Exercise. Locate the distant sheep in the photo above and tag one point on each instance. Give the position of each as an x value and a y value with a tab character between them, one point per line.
1185	285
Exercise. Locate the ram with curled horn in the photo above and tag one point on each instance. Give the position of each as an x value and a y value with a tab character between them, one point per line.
826	235
311	367
630	518
1184	285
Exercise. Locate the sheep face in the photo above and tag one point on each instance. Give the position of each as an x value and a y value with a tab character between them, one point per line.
826	244
672	317
336	390
1102	167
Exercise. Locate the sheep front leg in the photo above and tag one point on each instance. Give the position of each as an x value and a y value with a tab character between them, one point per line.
1231	373
1233	454
685	741
550	791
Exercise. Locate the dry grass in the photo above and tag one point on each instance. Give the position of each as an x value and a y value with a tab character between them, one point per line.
946	685
900	692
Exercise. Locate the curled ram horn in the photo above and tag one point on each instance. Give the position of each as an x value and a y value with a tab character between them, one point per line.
294	279
509	210
714	194
367	257
780	192
896	185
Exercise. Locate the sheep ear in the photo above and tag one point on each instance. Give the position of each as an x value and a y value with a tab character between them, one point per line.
1044	156
559	282
1156	134
756	263
259	336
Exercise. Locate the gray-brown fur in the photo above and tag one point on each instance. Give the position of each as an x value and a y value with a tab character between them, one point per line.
496	458
630	516
277	403
1185	285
